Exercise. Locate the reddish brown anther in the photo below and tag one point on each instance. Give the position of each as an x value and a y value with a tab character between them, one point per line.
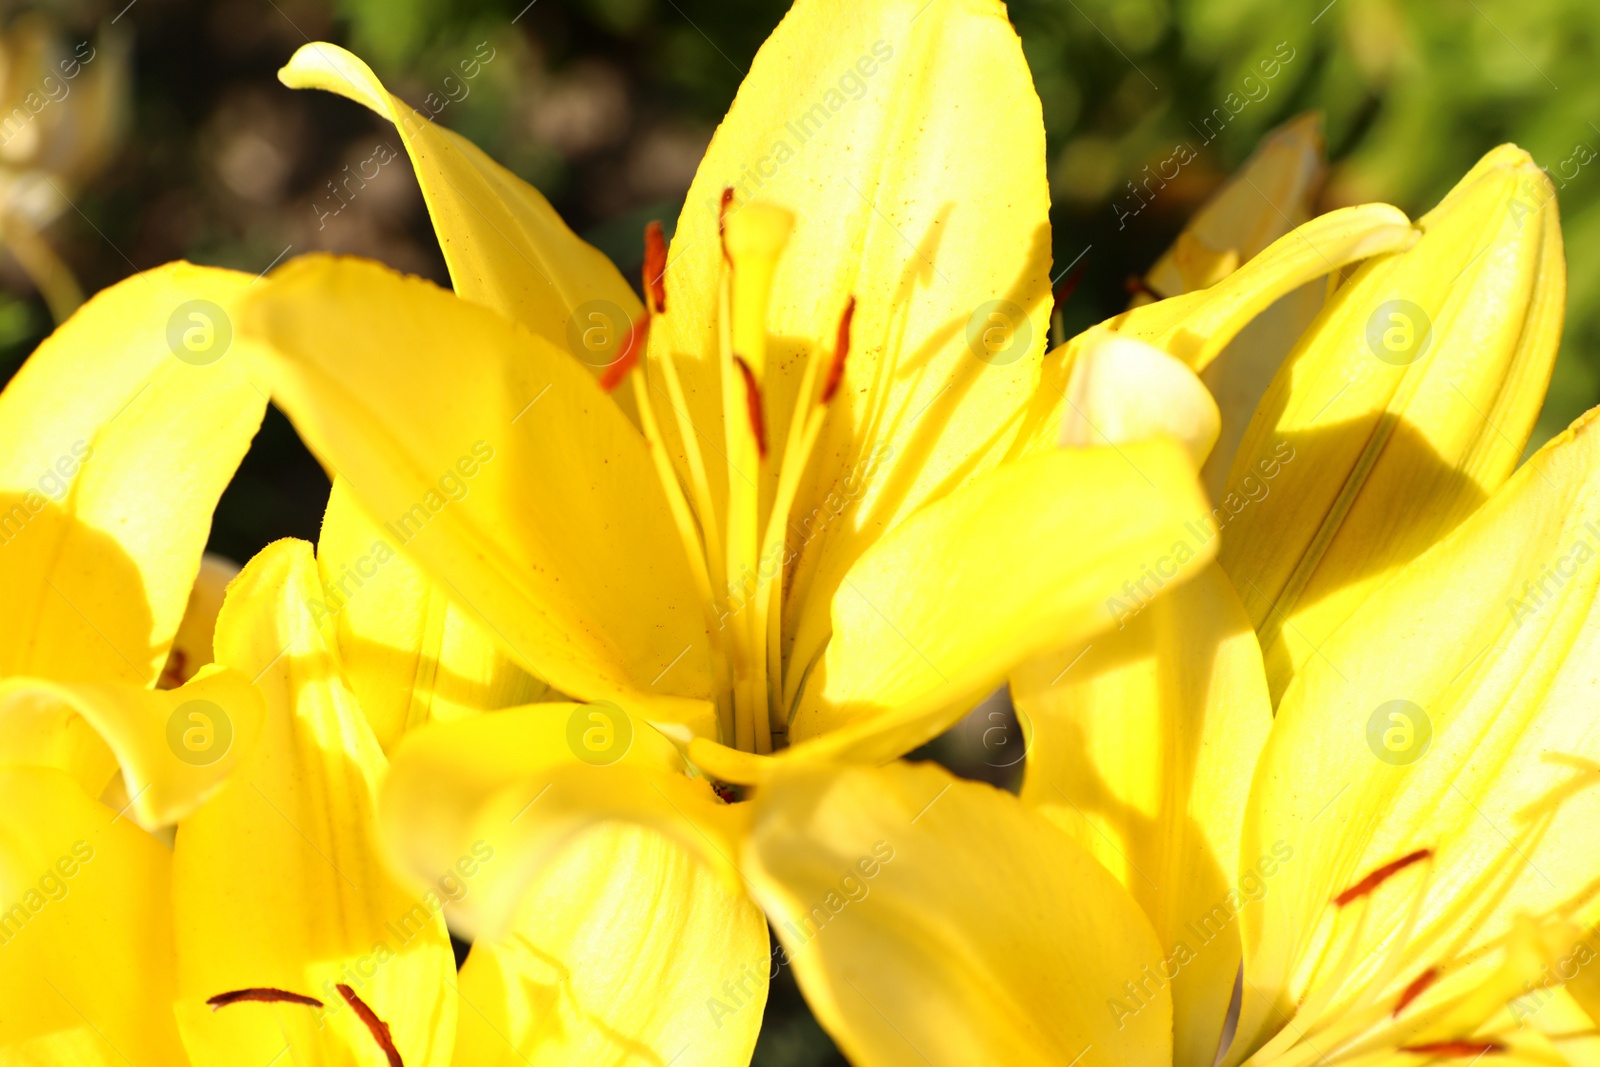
841	349
752	400
379	1028
1418	986
628	353
722	221
1380	876
1065	290
262	994
1136	285
1455	1048
655	267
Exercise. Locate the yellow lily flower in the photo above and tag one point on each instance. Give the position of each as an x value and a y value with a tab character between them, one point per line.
784	545
833	422
116	439
1405	870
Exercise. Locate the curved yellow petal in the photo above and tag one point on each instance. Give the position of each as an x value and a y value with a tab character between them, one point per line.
1273	192
176	747
931	920
625	949
86	930
881	127
1269	195
408	655
504	244
500	469
1124	390
1142	746
277	880
1038	553
39	729
139	397
528	781
1196	327
608	923
1407	403
1434	768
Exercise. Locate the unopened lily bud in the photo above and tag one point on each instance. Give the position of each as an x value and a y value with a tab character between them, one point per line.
1407	403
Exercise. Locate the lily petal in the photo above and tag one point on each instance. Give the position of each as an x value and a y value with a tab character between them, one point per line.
939	611
176	747
278	882
502	471
1393	446
137	397
939	921
1268	196
1142	746
87	930
877	124
606	916
625	947
1431	767
1125	390
405	651
504	244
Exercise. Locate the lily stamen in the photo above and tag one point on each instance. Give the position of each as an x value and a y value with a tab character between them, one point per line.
378	1028
841	350
1455	1048
752	398
655	266
1372	881
261	994
1418	986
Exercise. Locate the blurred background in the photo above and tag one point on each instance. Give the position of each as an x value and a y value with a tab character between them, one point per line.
136	133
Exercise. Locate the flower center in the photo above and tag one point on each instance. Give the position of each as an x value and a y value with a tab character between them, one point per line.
737	552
